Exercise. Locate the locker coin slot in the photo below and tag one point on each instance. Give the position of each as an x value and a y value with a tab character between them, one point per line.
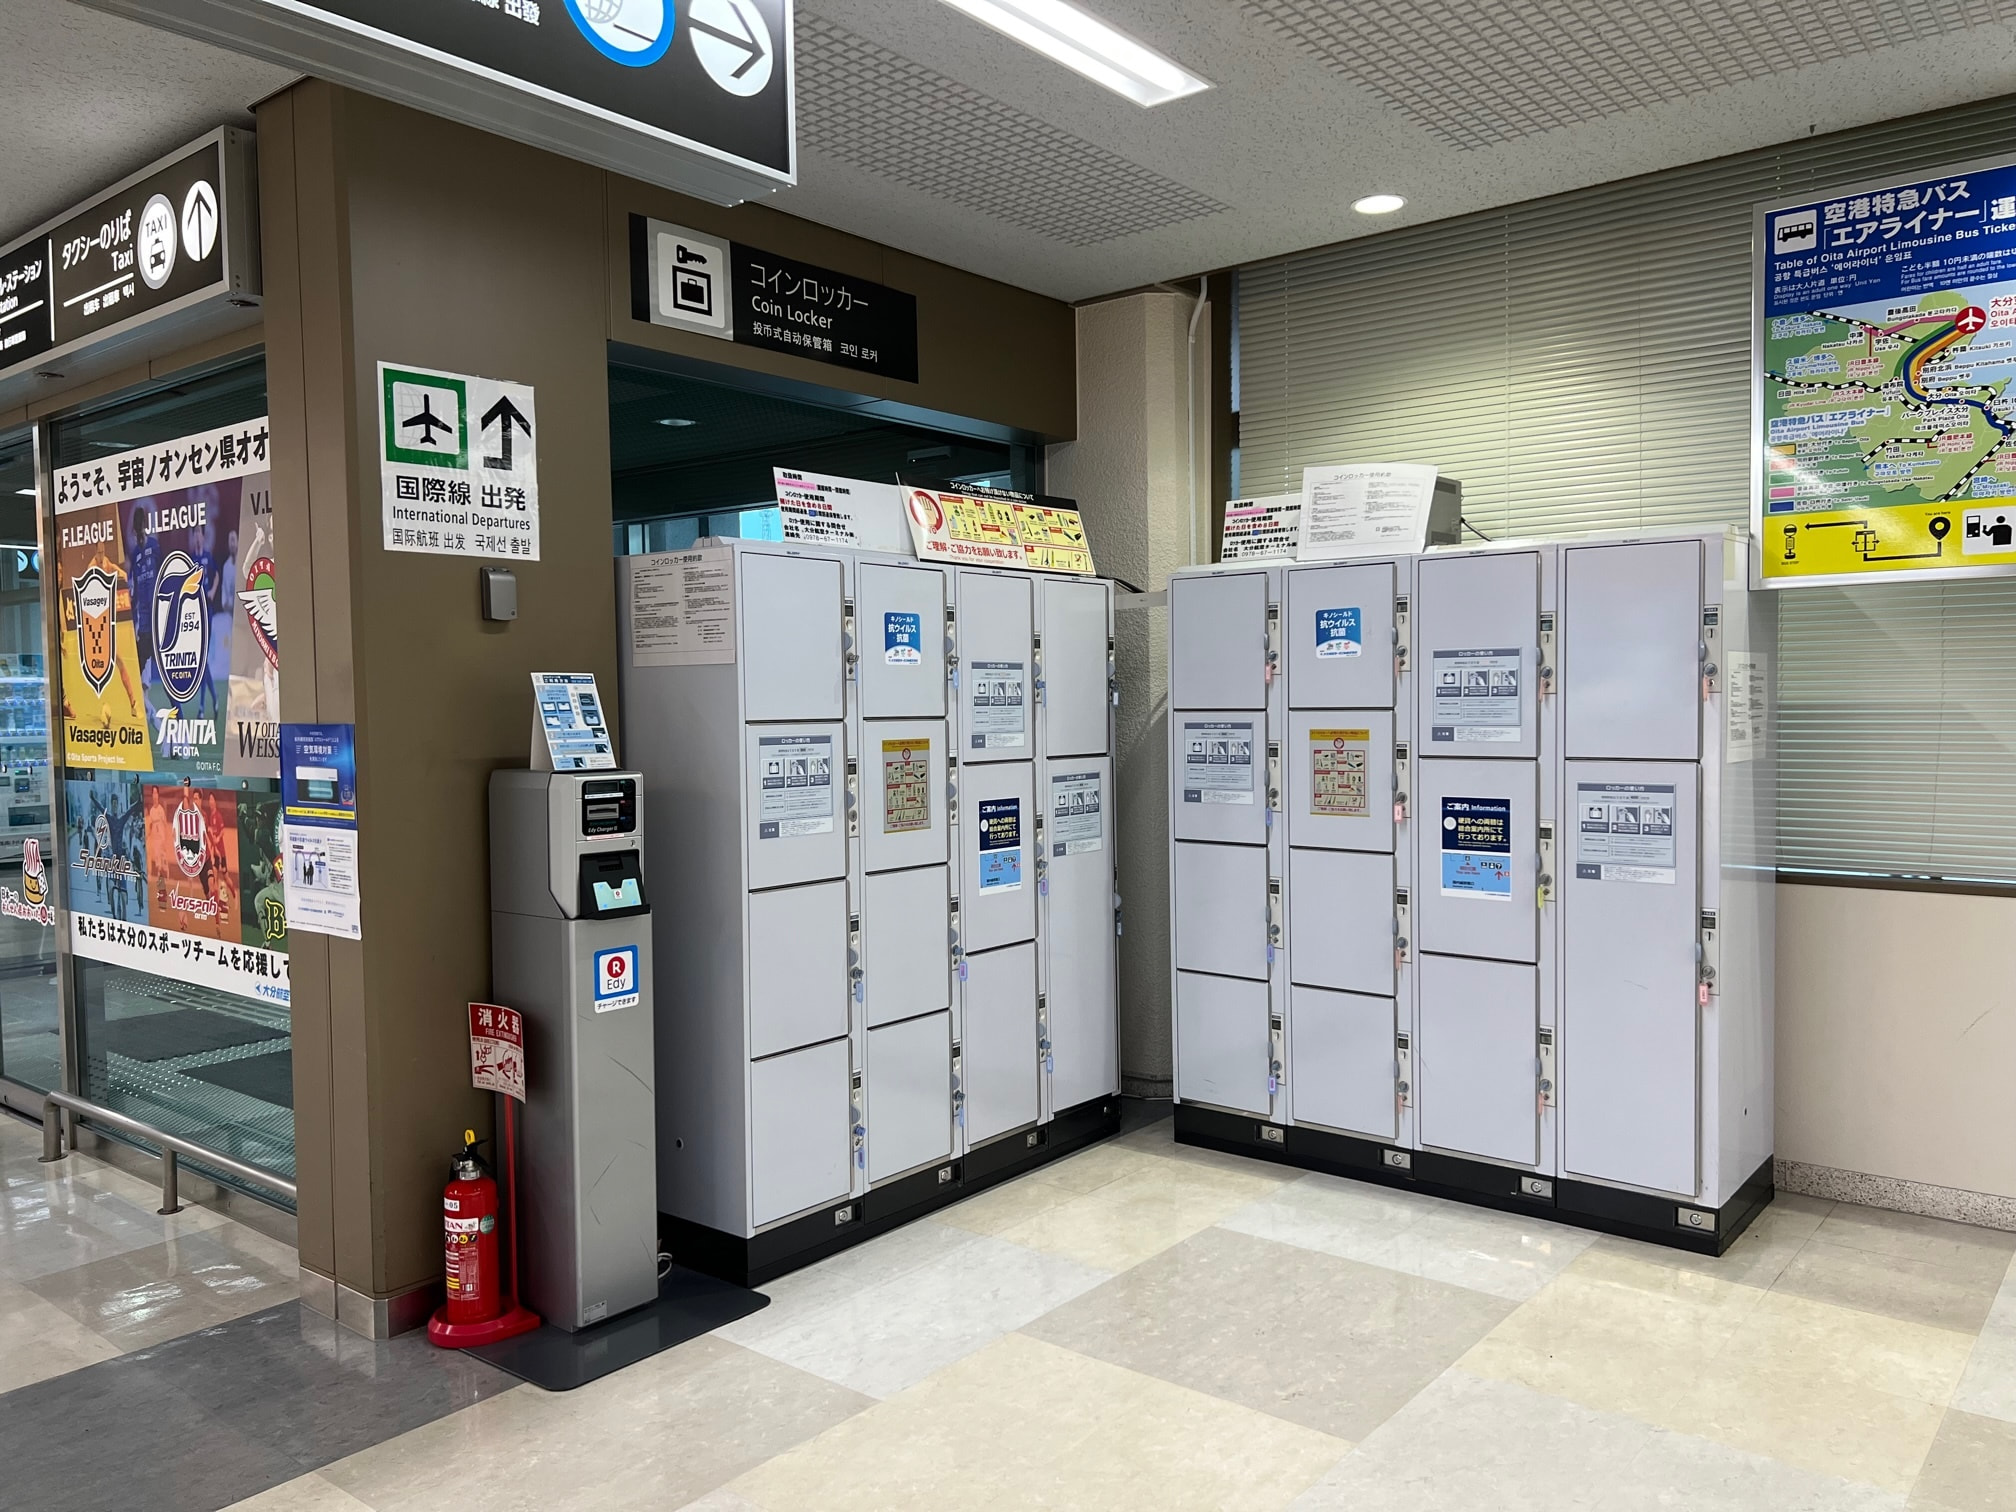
1709	953
1275	1052
1546	887
1546	669
1711	651
1403	1071
847	638
1273	779
853	798
1273	917
1402	945
1402	642
854	972
1544	1068
1400	761
952	791
1272	645
952	648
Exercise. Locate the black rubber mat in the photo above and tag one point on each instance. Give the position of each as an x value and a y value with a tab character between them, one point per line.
689	1305
268	1077
178	1031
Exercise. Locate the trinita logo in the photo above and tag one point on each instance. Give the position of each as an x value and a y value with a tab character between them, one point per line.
181	629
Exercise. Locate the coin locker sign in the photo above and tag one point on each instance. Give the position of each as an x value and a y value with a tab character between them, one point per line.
906	786
1000	845
1337	767
458	464
1624	832
796	796
1077	823
1218	762
1477	848
1476	697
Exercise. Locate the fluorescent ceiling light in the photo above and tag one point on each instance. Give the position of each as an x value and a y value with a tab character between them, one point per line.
26	493
1083	42
1378	204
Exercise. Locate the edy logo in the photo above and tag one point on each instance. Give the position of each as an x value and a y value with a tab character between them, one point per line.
261	611
181	627
96	594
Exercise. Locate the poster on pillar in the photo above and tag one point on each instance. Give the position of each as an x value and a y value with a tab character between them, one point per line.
458	464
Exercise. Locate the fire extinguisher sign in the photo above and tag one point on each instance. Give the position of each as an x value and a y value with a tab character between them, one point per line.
616	979
497	1049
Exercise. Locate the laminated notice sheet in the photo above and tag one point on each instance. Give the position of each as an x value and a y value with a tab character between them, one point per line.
1076	821
997	705
906	785
682	608
1258	530
1624	832
1000	845
1476	697
1364	509
1477	848
1337	774
796	792
1218	762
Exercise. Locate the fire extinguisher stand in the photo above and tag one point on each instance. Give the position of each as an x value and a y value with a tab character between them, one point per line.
513	1319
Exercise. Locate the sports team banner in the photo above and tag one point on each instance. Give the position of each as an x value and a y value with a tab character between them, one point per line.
170	696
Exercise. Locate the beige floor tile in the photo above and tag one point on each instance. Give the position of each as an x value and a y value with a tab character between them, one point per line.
311	1493
1897	1286
1971	1467
1978	1251
656	1435
1160	1139
146	1296
39	1340
1142	1213
1759	1255
1002	1207
1025	1424
1988	1388
1329	1343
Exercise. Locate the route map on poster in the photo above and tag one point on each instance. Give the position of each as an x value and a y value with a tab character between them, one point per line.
1886	347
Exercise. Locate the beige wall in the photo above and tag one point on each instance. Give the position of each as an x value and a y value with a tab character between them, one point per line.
1897	1035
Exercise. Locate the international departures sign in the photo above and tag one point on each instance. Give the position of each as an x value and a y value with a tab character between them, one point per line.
692	94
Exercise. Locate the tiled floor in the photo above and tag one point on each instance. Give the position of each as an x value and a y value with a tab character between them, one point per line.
1148	1326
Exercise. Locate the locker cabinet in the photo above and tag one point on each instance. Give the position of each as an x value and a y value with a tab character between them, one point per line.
793	665
1477	622
1340	1061
798	979
1222	1041
905	923
1221	910
794	820
1218	764
997	838
899	623
1340	636
1076	929
909	1095
999	1044
1218	642
799	1126
902	782
1340	778
996	675
1340	920
1477	857
1075	694
1631	650
1474	1058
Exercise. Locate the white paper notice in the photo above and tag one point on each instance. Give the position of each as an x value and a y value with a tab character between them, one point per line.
682	608
1260	529
1365	509
823	511
1745	694
321	880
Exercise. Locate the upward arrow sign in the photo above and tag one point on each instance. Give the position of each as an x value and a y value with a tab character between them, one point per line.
506	412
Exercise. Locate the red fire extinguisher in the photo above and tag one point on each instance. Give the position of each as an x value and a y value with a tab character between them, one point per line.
469	1224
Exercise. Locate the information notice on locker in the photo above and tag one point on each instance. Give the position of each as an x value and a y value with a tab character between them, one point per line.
1000	845
906	785
1624	832
797	777
1477	848
1749	708
1077	822
1257	530
1476	697
682	608
1218	762
997	710
1337	774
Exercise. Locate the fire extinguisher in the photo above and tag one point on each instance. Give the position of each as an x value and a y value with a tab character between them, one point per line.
469	1224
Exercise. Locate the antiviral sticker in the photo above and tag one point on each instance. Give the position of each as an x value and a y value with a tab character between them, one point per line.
902	639
1000	845
1477	848
1339	632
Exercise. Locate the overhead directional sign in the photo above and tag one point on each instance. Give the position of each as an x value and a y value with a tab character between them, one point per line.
692	94
458	464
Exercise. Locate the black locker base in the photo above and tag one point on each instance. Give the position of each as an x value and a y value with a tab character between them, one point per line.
778	1251
1657	1220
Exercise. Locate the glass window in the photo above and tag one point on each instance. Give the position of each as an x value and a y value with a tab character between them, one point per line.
170	669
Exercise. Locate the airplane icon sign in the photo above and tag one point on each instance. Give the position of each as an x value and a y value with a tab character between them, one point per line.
428	421
425	417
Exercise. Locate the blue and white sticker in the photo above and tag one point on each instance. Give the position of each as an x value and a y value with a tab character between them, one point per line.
616	979
902	639
1339	632
1477	848
1000	845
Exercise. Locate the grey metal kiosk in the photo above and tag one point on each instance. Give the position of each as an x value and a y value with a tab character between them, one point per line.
570	949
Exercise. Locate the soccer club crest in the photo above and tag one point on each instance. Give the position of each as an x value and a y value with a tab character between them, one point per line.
181	627
97	597
189	842
34	876
261	612
101	832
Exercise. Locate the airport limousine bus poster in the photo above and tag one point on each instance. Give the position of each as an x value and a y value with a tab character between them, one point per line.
1885	349
170	693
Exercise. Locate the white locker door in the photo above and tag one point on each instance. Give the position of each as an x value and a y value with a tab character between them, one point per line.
1340	778
1222	1043
906	960
1476	640
909	1095
1630	1035
797	967
1340	637
1075	691
997	840
1218	642
793	665
1219	774
1341	1061
903	815
1340	920
996	672
799	1140
899	617
795	818
1221	909
1631	651
998	1042
1474	1058
1478	864
1077	932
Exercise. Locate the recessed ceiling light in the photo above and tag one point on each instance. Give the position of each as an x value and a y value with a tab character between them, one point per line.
677	420
1378	204
1083	42
26	493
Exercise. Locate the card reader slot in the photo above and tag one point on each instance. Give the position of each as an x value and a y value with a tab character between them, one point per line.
612	885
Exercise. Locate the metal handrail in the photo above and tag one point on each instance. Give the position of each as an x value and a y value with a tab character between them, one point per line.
171	1144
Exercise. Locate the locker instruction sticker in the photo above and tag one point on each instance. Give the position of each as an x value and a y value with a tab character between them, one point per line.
1218	762
1337	774
1077	818
1624	832
1339	632
682	608
902	639
797	777
1477	848
997	702
1745	694
1476	697
1000	845
906	785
